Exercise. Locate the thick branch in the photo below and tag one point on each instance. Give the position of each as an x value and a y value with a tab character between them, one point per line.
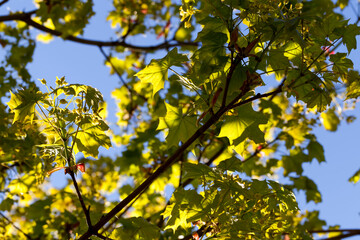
334	230
26	17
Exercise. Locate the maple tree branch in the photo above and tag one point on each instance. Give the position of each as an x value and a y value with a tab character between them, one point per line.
342	236
3	2
26	17
188	181
172	159
85	210
334	230
17	228
116	218
258	96
351	232
143	186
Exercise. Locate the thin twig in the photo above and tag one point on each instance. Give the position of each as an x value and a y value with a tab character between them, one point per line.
119	75
26	17
85	210
258	96
204	229
17	228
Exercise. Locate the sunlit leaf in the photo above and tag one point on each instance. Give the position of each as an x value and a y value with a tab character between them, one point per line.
234	126
90	137
23	104
157	71
181	127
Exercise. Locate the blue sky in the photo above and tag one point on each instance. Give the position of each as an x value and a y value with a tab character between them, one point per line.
85	64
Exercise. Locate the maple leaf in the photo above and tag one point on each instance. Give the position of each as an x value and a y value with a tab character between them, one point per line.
90	138
157	71
234	126
181	127
23	104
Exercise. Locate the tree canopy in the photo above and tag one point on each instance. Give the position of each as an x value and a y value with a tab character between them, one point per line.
217	113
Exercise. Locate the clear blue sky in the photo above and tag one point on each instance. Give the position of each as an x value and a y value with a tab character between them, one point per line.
84	64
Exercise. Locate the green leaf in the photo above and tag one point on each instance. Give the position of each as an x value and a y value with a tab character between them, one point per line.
39	209
234	126
136	228
186	203
181	127
318	98
6	204
316	150
348	34
231	164
341	64
198	171
23	104
353	84
310	188
157	71
292	51
93	97
294	161
278	62
90	138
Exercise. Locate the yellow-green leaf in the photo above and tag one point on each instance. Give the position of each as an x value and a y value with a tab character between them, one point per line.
23	104
157	71
234	126
90	138
181	127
